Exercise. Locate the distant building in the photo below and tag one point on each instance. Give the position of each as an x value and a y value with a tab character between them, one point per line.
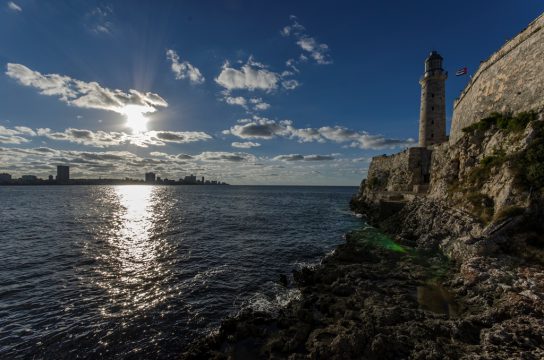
63	173
29	178
191	179
202	182
150	177
5	177
50	177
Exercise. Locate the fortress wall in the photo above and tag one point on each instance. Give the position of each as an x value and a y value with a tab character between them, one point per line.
511	80
399	172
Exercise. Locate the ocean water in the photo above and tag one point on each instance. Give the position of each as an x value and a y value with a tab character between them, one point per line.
139	271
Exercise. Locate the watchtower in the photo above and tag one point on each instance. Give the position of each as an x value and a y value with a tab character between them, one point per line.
432	116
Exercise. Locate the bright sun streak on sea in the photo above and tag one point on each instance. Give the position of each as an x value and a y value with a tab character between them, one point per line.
136	120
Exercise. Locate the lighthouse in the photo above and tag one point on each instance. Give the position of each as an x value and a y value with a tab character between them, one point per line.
432	116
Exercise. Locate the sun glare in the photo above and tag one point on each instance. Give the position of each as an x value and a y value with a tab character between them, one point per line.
136	120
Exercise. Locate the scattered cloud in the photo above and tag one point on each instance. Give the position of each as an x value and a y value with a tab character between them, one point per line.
226	156
362	139
105	139
180	137
252	104
85	94
259	104
15	136
86	137
245	145
290	84
236	100
298	157
99	21
99	138
251	76
263	128
184	69
316	50
14	7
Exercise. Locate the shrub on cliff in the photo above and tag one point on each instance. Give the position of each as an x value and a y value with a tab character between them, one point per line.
503	121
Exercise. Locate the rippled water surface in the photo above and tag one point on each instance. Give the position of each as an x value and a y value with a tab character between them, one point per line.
138	271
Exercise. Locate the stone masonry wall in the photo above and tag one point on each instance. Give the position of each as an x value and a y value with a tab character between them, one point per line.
399	172
511	80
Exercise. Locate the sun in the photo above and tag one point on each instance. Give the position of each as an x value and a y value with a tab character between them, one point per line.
136	120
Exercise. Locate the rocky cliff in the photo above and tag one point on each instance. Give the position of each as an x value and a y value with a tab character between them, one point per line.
485	211
487	183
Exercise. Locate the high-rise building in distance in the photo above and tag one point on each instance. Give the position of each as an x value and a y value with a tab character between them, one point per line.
63	173
150	177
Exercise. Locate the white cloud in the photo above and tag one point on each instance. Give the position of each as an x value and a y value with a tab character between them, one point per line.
85	94
259	104
226	156
298	157
251	76
251	104
105	139
263	128
99	138
184	69
25	130
99	20
290	84
13	6
362	139
245	145
15	136
236	100
180	137
317	51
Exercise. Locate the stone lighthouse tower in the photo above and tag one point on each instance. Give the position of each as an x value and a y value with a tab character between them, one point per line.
432	116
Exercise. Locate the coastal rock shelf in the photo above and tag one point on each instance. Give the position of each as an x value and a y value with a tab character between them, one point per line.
375	299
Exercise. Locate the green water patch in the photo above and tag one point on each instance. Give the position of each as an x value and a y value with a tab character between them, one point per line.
369	236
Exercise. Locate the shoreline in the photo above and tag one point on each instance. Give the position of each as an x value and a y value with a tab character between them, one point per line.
375	298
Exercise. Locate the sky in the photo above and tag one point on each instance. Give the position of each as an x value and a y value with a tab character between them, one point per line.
247	92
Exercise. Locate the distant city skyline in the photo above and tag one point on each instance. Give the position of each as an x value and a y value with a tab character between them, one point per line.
63	178
247	92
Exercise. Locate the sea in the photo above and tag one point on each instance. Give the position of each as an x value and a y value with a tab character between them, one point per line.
138	271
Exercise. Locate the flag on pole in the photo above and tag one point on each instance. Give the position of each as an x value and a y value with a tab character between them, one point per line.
461	71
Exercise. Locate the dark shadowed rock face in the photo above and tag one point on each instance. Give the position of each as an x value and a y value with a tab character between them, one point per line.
374	299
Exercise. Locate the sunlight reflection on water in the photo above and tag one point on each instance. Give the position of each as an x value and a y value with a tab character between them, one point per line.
128	269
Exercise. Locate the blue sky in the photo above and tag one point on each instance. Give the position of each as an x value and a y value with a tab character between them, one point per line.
251	92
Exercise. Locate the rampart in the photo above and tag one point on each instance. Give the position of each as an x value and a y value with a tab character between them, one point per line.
400	172
511	80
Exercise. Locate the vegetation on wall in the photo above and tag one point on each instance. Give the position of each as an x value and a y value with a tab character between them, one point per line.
503	121
527	165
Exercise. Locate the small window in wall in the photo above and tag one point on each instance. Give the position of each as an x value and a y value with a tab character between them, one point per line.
432	107
432	136
432	122
432	95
